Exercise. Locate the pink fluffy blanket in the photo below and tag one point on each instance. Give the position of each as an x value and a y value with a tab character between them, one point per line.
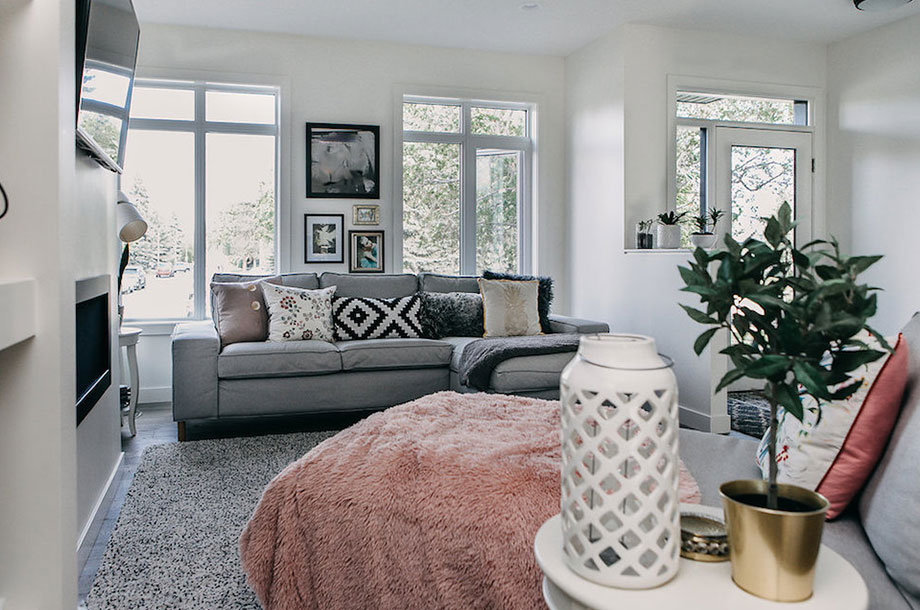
430	504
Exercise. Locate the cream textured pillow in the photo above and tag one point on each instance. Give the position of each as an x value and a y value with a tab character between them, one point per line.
295	314
510	308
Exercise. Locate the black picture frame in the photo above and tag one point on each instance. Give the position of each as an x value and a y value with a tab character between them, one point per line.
310	254
346	148
355	260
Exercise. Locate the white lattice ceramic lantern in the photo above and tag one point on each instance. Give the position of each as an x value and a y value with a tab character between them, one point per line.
620	466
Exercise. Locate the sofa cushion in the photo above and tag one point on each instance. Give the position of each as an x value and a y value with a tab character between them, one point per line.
451	314
529	373
436	282
889	500
357	318
388	286
510	308
391	354
544	297
298	315
239	311
278	359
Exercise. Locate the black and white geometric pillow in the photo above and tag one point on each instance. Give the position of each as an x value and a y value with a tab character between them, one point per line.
357	318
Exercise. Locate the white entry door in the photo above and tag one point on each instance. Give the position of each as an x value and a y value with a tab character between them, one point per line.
756	171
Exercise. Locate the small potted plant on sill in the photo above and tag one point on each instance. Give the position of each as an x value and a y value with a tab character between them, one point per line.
793	315
669	229
704	236
644	239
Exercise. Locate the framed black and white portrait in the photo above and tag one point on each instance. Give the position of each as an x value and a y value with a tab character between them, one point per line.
343	161
324	238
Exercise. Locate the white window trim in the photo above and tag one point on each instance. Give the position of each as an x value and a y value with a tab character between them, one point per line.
200	127
816	115
465	99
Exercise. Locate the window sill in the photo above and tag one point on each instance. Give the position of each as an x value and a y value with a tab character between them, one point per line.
156	328
658	251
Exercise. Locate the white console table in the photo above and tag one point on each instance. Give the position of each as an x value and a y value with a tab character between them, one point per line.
128	337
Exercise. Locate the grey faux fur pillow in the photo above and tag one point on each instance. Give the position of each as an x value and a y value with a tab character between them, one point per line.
451	314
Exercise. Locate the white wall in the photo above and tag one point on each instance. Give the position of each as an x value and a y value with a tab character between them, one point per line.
98	435
616	153
37	418
874	172
329	80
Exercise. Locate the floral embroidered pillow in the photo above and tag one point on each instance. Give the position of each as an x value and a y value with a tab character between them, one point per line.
296	314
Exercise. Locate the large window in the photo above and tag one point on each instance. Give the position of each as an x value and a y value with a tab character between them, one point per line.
466	185
201	166
760	175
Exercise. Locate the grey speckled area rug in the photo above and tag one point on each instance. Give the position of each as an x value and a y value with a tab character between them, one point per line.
175	542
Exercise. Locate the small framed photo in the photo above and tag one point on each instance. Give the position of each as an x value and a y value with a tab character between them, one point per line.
324	238
343	161
366	214
365	253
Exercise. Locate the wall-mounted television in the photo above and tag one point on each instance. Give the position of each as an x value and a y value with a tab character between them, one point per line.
107	33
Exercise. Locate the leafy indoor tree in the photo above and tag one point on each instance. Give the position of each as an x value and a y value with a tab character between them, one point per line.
793	316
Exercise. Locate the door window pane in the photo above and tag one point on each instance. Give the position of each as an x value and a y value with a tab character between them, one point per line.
762	179
498	121
159	178
232	107
443	118
431	207
497	199
240	204
689	178
162	103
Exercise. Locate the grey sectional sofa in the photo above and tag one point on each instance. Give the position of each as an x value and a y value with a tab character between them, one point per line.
880	532
296	377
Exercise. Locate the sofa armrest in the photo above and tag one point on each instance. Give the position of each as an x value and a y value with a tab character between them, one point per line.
565	324
195	347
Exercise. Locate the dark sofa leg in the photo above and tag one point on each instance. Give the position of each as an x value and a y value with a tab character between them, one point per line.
180	430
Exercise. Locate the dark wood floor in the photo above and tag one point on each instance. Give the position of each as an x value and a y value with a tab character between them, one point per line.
155	426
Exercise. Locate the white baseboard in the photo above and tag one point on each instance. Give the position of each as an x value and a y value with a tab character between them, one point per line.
719	424
155	394
105	490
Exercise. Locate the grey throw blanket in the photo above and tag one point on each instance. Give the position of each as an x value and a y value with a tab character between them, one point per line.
480	357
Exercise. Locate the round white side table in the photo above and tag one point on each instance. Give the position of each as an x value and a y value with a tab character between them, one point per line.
128	336
838	586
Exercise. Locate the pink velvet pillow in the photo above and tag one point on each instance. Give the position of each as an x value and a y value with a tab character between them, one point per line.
868	435
836	455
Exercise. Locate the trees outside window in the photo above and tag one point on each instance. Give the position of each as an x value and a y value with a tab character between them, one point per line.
201	167
466	185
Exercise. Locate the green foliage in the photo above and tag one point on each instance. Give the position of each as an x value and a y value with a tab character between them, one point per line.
793	314
246	231
671	218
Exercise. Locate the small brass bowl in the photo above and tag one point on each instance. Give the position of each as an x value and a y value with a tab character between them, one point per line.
702	538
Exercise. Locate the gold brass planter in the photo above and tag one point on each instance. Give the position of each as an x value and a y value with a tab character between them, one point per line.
773	552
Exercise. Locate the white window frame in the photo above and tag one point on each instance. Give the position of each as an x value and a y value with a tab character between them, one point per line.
200	127
815	125
469	142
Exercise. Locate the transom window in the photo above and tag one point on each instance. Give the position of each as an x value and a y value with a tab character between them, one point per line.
201	166
466	185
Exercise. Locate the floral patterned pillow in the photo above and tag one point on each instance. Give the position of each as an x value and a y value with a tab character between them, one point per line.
295	314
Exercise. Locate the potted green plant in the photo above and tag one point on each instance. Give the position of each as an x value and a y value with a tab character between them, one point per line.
704	236
793	316
644	234
669	229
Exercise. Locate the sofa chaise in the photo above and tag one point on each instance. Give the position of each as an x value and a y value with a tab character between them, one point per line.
297	377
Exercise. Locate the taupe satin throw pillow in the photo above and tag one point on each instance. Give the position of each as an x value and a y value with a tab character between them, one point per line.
510	308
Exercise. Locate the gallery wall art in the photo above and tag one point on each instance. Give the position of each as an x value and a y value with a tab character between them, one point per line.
343	161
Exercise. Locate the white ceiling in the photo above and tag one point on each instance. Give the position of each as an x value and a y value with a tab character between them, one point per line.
557	27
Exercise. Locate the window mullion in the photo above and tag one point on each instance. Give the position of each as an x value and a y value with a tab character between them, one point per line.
200	277
467	196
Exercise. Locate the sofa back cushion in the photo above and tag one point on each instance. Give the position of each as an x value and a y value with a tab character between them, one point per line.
386	286
888	506
436	282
